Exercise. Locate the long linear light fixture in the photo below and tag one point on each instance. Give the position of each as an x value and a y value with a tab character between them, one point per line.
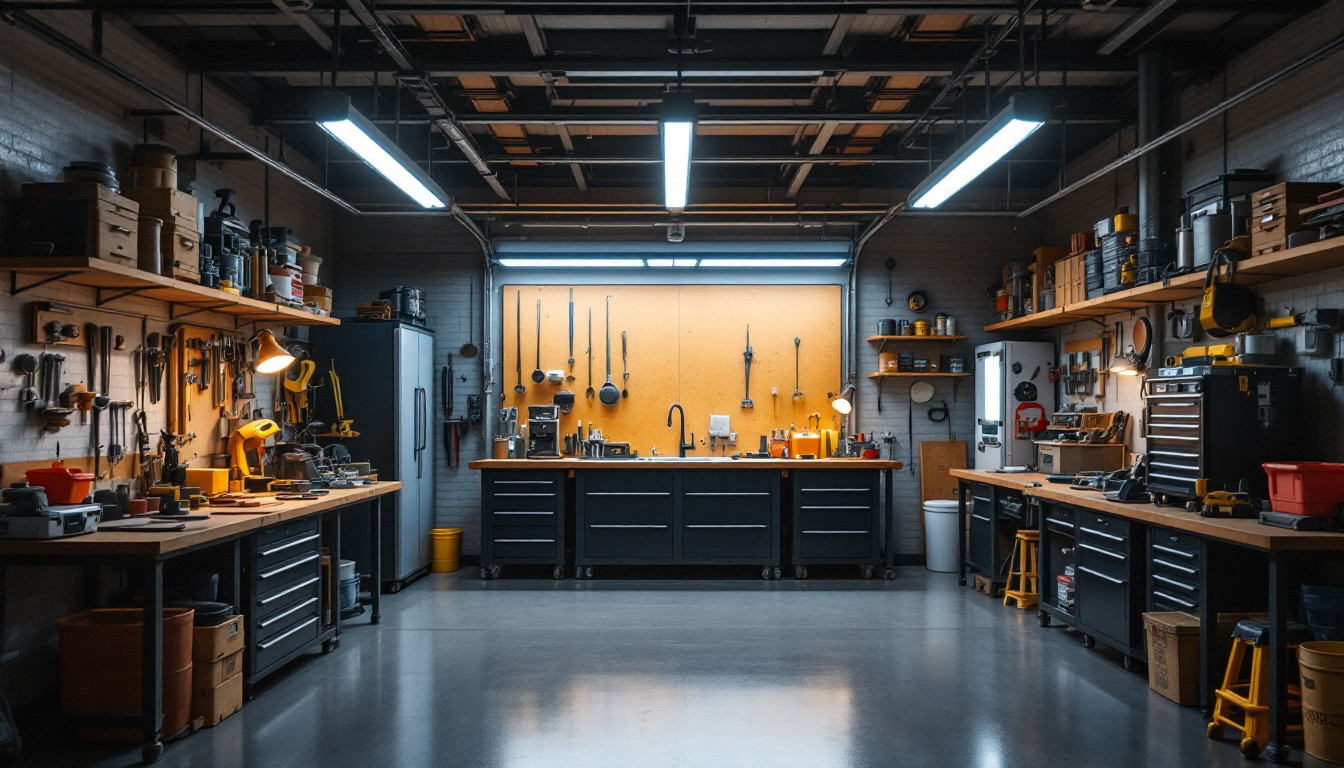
336	116
743	262
677	118
1024	114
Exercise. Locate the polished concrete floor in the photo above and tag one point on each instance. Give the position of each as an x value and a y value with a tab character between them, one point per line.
828	672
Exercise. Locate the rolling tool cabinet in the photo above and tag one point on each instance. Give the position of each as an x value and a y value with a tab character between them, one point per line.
522	520
282	578
991	518
837	520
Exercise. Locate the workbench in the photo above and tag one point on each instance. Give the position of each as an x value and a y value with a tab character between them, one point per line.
687	511
1193	563
233	538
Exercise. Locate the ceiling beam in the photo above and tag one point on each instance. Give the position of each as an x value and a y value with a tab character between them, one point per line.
836	38
575	168
824	134
536	39
306	23
1135	25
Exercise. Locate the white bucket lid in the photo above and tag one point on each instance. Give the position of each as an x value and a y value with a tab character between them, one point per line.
941	505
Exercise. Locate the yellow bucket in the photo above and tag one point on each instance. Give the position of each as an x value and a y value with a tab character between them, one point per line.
447	546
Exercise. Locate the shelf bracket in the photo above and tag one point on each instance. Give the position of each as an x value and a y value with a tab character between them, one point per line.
15	289
100	299
881	346
172	310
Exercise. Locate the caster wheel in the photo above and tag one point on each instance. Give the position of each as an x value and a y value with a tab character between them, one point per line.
330	645
961	582
588	572
775	572
1249	749
1214	731
1089	641
485	573
1043	618
558	573
150	753
1130	663
889	575
1192	506
1276	753
800	571
866	571
578	573
395	588
765	573
494	572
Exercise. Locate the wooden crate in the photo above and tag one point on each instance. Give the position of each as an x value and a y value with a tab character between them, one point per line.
1070	280
1047	257
1276	213
76	219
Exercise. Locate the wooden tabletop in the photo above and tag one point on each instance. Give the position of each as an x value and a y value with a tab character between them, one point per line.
672	462
1247	532
218	528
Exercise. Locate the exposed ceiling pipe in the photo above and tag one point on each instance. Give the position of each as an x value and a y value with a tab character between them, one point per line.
1194	122
1134	25
1149	124
424	91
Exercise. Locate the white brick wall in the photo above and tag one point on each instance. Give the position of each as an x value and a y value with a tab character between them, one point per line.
55	109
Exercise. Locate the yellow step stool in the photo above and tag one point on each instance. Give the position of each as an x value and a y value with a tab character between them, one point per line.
1251	697
1028	590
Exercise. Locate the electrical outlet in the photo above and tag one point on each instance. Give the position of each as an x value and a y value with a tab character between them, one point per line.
731	440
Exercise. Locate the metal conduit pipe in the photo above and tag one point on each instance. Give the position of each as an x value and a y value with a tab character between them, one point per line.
851	367
1149	124
1194	122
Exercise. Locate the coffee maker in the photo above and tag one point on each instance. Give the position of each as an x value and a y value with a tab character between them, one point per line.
543	432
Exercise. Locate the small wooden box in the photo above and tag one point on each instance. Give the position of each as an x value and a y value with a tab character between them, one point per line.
180	252
985	586
76	219
1067	458
1276	213
1070	281
159	202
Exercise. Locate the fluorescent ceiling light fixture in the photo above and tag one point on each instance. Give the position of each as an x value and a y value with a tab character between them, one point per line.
749	263
678	122
672	262
1024	114
568	263
333	114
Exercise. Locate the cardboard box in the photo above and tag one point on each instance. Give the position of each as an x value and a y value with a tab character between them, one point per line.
215	704
1063	458
985	586
211	481
1173	651
208	674
214	643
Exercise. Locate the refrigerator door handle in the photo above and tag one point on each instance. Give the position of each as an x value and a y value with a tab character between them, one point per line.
420	429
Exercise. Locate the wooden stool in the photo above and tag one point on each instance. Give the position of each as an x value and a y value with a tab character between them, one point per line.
1028	591
1252	696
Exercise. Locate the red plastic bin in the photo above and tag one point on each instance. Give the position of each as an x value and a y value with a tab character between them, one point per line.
1306	487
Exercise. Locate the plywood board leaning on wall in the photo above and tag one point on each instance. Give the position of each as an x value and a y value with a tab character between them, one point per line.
685	346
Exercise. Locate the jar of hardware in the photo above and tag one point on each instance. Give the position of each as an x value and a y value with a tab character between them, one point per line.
921	327
950	325
940	324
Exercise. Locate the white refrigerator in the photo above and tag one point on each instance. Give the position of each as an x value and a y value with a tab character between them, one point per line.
1013	400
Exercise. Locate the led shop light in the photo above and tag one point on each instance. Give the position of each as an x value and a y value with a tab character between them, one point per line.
333	114
678	124
1024	114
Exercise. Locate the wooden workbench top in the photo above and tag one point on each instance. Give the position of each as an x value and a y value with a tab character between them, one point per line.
219	527
1242	531
674	463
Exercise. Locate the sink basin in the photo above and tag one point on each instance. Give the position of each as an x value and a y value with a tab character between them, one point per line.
688	458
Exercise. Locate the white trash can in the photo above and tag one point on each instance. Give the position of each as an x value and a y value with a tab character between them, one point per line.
940	535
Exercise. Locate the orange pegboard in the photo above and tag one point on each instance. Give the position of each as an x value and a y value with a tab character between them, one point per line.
685	345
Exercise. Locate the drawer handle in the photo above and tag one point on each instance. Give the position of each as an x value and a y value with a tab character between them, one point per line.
1091	572
836	490
849	533
1172	437
277	617
1175	583
1100	551
627	526
524	541
1180	478
525	513
858	507
727	494
1103	534
119	228
1174	599
274	640
623	493
1169	564
283	568
292	589
982	498
524	482
726	526
1174	453
1172	405
1058	522
524	495
980	517
1171	397
1177	552
295	543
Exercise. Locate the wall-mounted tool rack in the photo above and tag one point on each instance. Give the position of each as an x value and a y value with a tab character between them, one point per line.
112	281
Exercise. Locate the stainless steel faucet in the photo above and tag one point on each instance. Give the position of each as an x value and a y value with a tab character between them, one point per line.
682	445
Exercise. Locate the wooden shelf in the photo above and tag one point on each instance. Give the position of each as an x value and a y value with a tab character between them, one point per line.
902	339
908	375
1305	259
113	281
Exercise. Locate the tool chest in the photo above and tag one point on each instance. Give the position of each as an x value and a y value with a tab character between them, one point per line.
836	518
1109	584
283	596
522	518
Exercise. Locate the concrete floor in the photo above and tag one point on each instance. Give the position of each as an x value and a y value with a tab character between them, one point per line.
827	672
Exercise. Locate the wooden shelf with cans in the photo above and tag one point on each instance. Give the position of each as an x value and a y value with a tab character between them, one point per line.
908	365
1272	259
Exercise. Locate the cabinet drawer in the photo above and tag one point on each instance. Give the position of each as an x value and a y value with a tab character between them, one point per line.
503	482
1171	544
525	542
843	487
1102	560
719	482
1102	603
281	576
305	542
712	508
1104	531
626	481
627	507
857	544
524	499
289	613
835	518
279	600
725	541
295	637
627	542
284	531
1061	520
516	517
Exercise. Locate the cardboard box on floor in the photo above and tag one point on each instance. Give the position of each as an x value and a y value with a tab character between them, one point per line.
214	643
1173	651
208	674
214	704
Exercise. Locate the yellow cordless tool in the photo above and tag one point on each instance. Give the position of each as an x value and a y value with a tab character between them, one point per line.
1224	504
246	441
342	427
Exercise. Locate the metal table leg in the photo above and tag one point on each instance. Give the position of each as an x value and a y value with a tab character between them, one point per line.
891	525
1280	579
1209	665
376	539
961	532
335	586
151	663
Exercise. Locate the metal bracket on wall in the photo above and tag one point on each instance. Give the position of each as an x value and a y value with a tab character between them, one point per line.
15	289
100	299
173	315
